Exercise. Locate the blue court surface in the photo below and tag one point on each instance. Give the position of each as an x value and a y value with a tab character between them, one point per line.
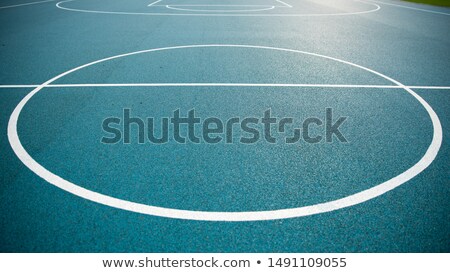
360	87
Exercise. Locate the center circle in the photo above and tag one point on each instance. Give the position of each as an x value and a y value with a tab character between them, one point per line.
195	12
350	200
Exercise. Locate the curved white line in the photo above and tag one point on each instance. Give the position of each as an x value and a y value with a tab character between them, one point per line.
284	4
348	201
59	5
412	8
26	4
175	7
154	3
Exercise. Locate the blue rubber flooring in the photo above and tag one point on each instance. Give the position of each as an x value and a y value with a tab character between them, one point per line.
294	58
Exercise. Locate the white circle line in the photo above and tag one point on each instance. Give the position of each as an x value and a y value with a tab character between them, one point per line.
176	7
411	8
348	201
377	7
26	4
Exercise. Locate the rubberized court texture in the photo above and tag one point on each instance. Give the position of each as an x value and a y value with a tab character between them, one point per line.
377	70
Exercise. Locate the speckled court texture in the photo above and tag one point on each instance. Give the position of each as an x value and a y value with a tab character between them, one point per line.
385	65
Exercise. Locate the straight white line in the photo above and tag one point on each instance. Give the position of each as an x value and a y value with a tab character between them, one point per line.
19	86
281	2
26	4
151	4
407	7
430	87
219	6
224	85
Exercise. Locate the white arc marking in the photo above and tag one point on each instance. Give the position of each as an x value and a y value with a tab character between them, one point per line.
408	7
283	3
156	2
60	6
348	201
26	4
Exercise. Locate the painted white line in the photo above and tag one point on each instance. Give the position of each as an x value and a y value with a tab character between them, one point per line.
376	8
26	4
328	206
156	2
176	7
188	84
408	7
430	87
283	3
18	86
